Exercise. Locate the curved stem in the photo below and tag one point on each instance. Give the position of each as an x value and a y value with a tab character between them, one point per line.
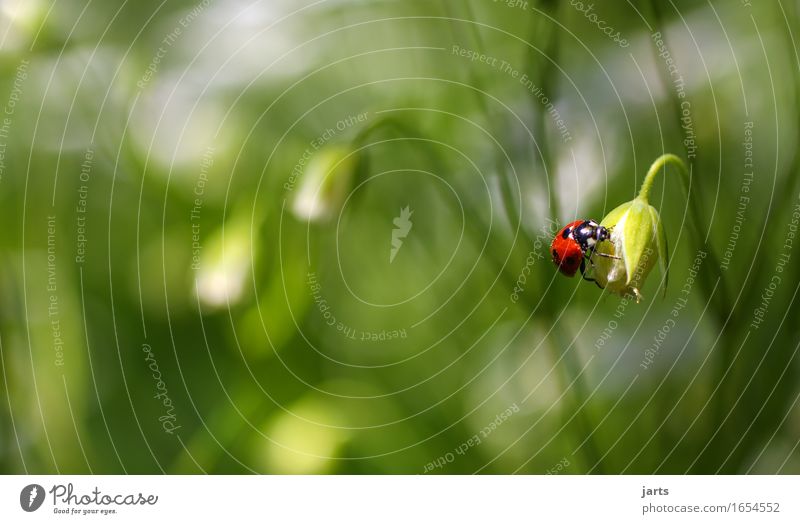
385	121
660	163
711	269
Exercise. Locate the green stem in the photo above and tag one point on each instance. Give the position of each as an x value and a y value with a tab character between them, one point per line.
719	301
569	372
660	163
572	374
511	206
540	66
711	269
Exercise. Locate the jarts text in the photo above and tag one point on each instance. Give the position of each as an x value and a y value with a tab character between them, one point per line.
649	492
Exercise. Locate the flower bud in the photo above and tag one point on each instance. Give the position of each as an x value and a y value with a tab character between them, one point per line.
637	239
325	184
225	263
637	242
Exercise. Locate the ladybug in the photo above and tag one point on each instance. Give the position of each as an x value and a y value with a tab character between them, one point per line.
575	244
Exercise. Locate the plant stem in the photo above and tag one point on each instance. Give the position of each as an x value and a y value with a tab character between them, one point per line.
692	193
570	368
660	163
541	66
512	206
711	272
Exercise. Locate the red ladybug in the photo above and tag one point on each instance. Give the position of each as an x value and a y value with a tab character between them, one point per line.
575	244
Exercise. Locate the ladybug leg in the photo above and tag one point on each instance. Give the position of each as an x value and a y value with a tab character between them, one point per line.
593	251
587	256
583	270
605	255
588	279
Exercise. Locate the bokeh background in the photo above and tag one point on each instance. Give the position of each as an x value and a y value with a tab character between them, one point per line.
198	202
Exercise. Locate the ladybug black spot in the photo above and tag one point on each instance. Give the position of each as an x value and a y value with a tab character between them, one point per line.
555	255
565	233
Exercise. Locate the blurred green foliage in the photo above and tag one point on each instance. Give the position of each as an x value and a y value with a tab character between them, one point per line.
151	162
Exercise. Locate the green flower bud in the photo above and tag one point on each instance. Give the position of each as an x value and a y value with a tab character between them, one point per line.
325	184
224	263
637	241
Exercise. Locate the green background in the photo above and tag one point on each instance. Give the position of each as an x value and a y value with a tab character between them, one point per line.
177	101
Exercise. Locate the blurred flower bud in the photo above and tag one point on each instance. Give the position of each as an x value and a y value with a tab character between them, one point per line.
637	242
325	184
224	264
